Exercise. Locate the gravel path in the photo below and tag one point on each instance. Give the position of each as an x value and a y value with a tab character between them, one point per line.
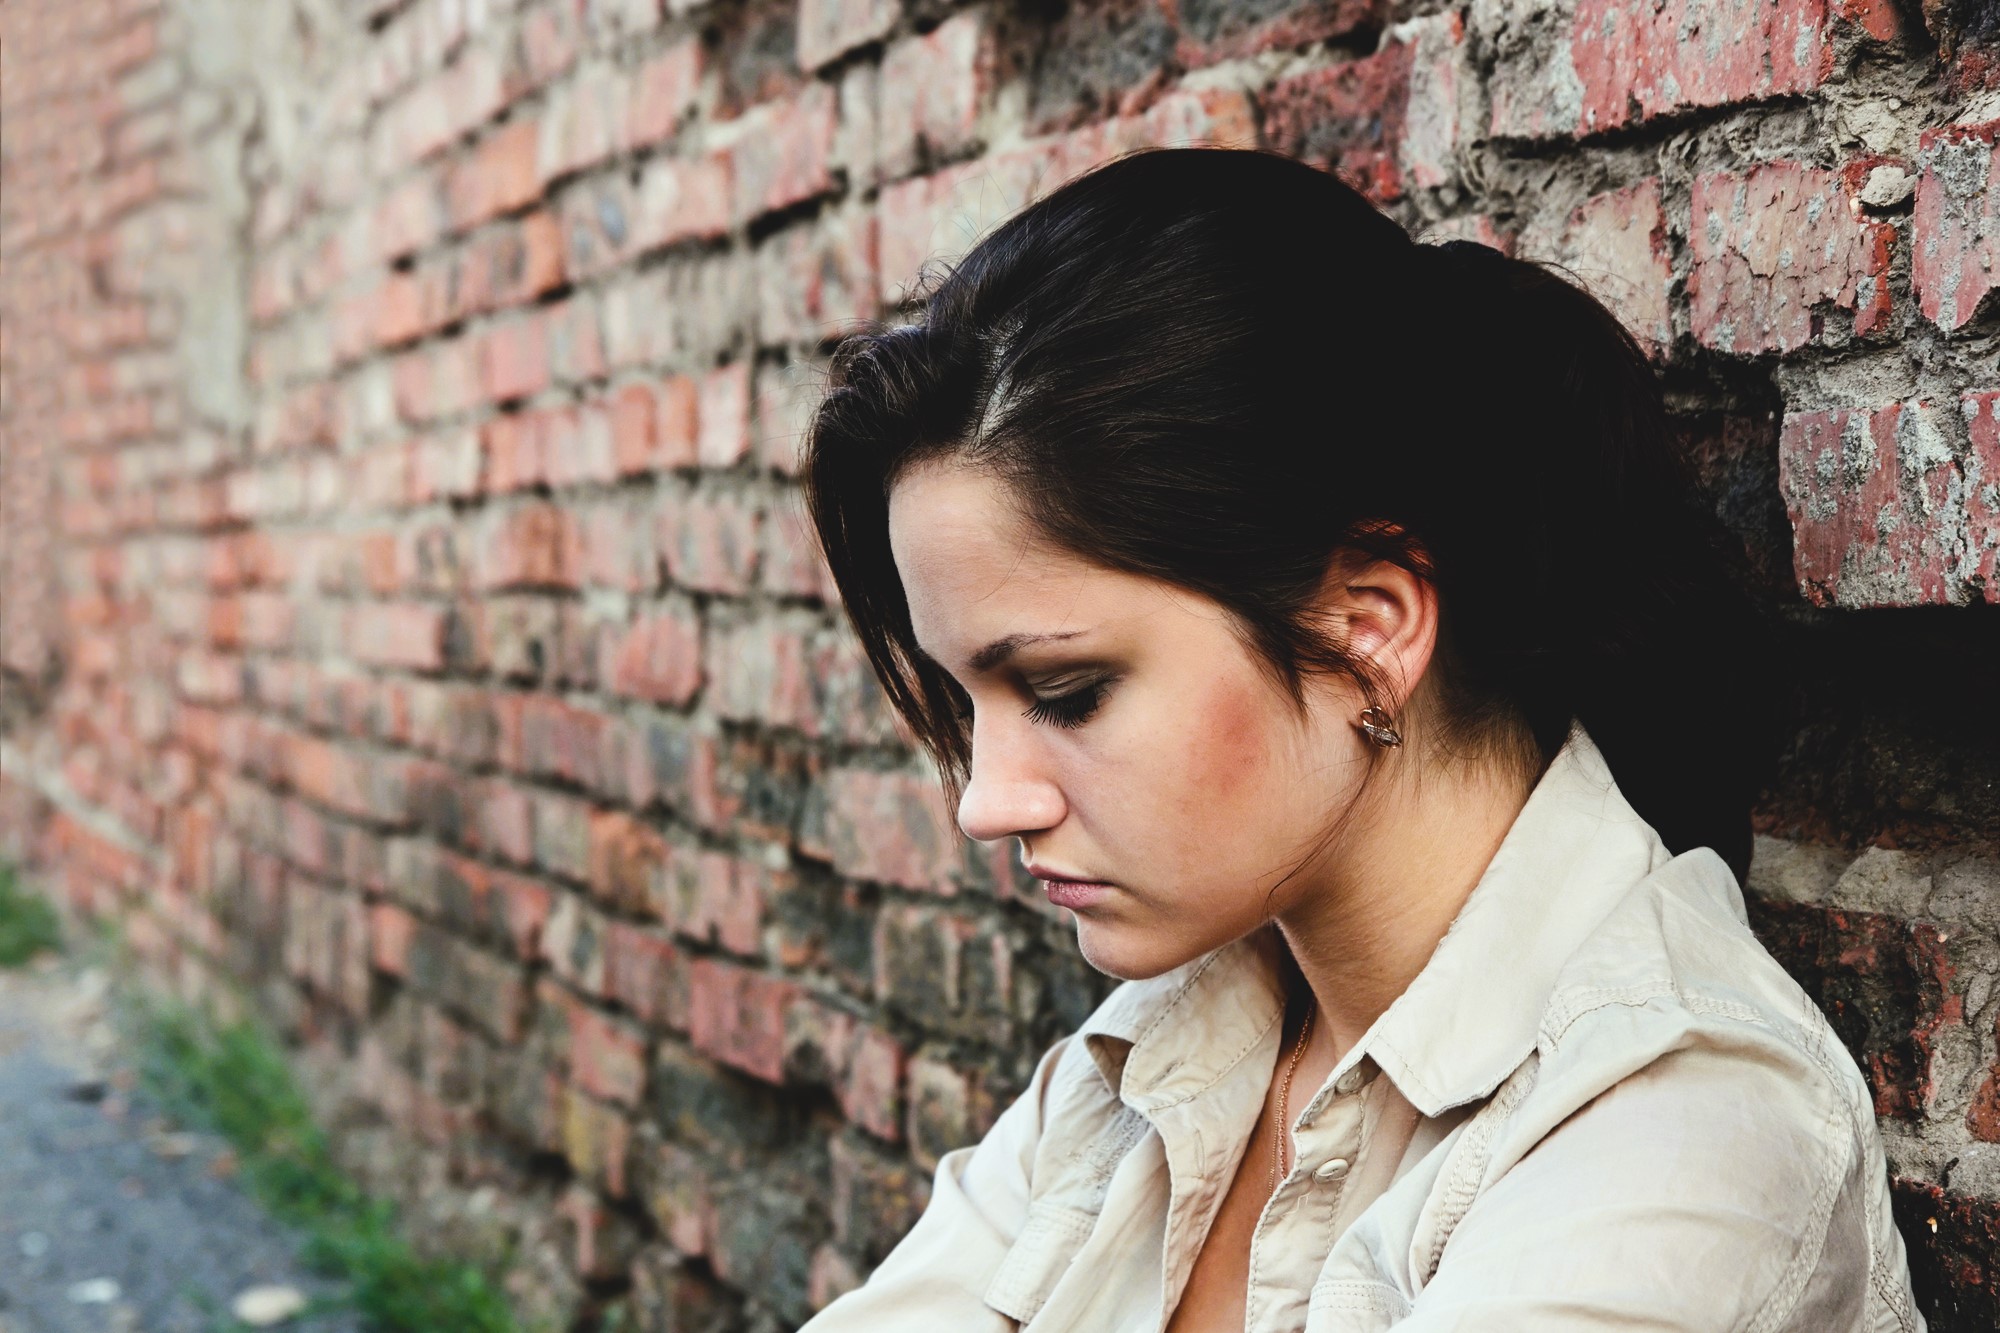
111	1222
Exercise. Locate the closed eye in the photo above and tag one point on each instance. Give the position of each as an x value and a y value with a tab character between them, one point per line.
1068	710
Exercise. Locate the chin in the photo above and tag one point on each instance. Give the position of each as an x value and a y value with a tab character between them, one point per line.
1125	954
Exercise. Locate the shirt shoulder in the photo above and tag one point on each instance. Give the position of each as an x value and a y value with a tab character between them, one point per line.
1675	960
1688	1096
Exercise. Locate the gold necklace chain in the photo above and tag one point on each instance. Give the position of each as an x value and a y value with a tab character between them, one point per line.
1278	1167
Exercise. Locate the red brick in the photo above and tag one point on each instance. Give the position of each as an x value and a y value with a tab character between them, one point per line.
724	415
645	973
737	1016
502	175
606	1058
870	1086
784	153
1885	511
1775	245
619	547
658	658
1347	117
715	898
389	931
509	264
515	359
512	445
829	29
531	546
405	636
604	1240
681	200
933	89
709	541
887	827
1616	243
815	281
1955	232
627	862
597	1140
578	445
664	89
1622	64
583	123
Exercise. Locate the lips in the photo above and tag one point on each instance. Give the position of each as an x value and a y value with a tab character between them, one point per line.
1067	891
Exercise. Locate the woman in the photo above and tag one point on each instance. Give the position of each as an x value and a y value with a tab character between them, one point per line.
1328	618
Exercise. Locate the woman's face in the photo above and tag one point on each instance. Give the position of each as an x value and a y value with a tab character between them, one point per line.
1120	729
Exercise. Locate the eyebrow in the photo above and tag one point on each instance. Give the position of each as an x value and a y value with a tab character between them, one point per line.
998	651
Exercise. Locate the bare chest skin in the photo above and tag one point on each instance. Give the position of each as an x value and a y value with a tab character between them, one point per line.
1217	1289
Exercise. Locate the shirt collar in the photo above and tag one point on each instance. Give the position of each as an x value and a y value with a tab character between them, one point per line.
1467	1019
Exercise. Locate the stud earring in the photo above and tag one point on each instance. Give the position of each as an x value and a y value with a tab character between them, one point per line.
1379	727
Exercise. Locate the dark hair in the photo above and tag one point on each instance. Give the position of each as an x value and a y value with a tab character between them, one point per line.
1225	368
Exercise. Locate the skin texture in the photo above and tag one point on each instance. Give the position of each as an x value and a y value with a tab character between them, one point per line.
1196	789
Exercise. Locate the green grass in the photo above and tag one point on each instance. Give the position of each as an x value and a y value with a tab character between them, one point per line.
235	1081
27	923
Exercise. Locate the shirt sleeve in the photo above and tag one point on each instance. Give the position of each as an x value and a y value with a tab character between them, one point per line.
1712	1190
937	1275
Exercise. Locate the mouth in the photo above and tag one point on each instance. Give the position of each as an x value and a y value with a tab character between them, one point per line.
1064	891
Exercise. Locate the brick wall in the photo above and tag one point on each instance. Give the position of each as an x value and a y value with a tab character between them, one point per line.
407	616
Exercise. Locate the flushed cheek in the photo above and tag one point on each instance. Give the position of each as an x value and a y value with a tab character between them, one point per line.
1221	766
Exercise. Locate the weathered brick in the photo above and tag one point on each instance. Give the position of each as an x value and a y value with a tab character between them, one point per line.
737	1016
709	540
949	1107
1348	118
406	636
645	973
482	989
664	90
502	175
1616	244
783	155
628	860
1887	509
531	546
828	29
712	897
658	658
1773	246
1952	1240
888	827
515	359
814	281
1955	232
679	1195
1882	982
876	1198
1617	65
934	87
597	1140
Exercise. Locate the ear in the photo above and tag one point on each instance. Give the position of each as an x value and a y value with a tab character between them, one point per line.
1385	616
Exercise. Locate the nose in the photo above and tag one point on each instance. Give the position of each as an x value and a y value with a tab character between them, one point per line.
1007	793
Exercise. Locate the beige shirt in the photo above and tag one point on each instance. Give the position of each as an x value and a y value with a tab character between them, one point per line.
1600	1105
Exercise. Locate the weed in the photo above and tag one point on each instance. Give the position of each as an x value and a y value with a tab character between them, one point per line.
235	1081
27	923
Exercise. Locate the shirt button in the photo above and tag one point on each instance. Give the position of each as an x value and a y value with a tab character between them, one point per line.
1331	1169
1349	1081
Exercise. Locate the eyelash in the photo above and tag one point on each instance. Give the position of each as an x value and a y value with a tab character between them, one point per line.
1068	710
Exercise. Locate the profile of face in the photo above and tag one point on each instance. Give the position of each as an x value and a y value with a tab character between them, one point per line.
1121	729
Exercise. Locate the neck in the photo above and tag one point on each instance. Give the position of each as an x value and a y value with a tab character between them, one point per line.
1415	850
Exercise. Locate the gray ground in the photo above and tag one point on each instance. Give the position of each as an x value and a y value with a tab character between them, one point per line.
110	1220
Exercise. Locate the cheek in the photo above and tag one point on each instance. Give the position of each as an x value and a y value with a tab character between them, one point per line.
1215	759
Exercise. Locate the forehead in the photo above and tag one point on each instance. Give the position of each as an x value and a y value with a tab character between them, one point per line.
973	567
